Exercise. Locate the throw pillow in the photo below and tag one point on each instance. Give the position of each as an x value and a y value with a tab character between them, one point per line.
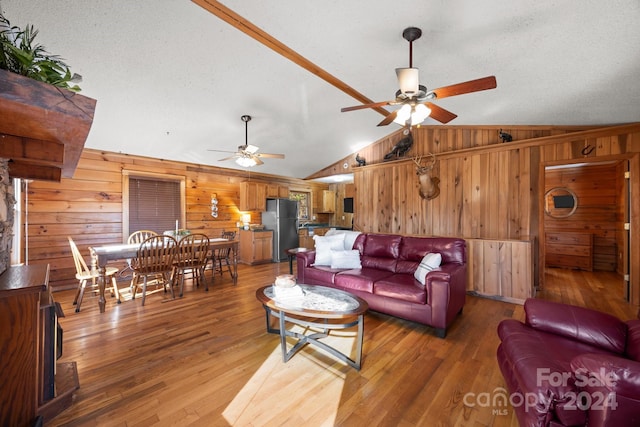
324	246
349	237
430	261
345	259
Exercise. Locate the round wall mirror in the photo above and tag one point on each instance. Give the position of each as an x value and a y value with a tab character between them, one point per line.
560	202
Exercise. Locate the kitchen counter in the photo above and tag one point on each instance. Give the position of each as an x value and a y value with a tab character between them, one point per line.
322	225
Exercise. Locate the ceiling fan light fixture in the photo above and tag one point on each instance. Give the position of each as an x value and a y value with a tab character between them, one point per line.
403	115
408	80
246	162
412	114
420	113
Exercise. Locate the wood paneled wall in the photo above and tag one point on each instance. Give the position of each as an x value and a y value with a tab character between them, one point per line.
488	189
500	268
481	196
89	206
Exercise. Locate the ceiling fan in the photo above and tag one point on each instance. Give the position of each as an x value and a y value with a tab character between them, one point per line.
414	98
247	155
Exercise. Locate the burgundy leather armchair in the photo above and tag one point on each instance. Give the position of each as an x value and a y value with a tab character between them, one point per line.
570	366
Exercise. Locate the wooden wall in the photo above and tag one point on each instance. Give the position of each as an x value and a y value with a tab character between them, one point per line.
88	207
501	268
489	190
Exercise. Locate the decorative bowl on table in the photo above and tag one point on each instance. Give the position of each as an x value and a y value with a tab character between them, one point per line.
285	281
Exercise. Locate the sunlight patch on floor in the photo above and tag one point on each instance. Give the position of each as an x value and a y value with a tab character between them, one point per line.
311	372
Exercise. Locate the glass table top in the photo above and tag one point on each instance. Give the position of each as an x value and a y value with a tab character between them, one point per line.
314	298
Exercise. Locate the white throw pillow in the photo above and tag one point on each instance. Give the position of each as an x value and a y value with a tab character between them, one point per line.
430	261
324	246
349	237
345	259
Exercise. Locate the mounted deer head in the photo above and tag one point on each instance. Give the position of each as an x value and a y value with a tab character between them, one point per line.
429	185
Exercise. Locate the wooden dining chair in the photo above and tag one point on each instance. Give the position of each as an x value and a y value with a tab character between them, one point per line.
154	259
135	237
191	258
140	236
223	256
84	274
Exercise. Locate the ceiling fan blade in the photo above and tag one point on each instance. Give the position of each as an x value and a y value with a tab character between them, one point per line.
372	105
390	117
440	114
228	158
466	87
258	161
270	156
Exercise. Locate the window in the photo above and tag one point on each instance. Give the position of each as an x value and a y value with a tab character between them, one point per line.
303	203
152	202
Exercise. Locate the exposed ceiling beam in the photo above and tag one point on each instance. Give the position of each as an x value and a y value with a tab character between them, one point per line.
237	21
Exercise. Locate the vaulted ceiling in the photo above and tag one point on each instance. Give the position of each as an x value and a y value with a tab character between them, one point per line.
172	77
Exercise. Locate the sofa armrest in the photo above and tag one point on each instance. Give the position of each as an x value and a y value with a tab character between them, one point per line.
446	292
610	388
306	258
578	323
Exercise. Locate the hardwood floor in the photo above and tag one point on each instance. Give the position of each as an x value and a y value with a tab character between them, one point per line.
207	360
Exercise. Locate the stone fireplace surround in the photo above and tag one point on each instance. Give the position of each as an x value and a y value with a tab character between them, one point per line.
7	203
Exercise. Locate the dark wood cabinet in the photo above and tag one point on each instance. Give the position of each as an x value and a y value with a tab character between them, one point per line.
33	384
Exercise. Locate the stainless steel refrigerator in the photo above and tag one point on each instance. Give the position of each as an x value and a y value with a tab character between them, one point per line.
282	217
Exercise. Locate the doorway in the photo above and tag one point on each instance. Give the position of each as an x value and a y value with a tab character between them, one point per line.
586	210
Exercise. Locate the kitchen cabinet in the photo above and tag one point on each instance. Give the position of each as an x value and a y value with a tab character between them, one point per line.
328	202
305	236
349	190
305	241
256	246
253	196
569	250
277	191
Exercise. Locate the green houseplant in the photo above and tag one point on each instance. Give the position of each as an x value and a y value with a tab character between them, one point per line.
21	55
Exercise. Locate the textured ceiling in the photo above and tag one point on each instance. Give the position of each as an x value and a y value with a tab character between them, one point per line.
172	80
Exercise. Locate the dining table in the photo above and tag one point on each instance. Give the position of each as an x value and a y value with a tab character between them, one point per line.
101	255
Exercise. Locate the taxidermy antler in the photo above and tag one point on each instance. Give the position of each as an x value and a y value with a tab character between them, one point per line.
429	186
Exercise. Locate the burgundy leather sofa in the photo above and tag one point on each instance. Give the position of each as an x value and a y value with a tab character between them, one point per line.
571	366
386	280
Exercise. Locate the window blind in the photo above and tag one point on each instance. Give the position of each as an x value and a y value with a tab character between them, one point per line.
154	204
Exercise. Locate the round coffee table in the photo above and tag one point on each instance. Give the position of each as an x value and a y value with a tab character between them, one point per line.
315	307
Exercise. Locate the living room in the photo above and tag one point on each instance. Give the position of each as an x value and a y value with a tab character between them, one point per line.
492	194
